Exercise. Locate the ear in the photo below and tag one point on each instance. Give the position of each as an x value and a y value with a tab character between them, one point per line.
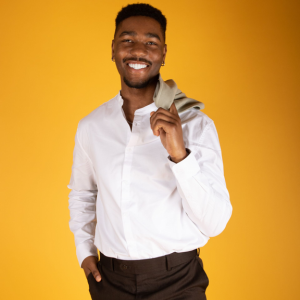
113	48
164	52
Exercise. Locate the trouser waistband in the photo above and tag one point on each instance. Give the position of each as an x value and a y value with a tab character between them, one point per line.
143	266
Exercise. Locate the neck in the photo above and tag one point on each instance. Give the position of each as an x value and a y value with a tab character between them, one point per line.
137	98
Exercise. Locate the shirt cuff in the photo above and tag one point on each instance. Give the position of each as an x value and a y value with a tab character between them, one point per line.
186	168
84	250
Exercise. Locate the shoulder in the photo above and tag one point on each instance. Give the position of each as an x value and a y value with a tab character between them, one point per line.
195	118
199	129
97	115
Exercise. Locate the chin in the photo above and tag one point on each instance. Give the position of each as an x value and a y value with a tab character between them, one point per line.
138	84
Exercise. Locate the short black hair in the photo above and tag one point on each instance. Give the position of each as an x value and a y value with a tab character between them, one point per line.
142	9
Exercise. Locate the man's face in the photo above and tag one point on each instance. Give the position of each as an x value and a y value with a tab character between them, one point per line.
139	50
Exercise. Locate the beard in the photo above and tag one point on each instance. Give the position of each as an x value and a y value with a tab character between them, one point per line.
137	85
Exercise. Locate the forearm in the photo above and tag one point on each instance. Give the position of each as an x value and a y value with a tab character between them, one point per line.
82	198
201	185
209	208
82	206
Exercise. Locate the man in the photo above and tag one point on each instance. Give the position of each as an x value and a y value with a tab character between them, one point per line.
147	181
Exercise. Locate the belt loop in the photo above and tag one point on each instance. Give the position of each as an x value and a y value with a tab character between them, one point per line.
168	265
107	261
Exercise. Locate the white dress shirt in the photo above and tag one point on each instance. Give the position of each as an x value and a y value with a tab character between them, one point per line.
129	200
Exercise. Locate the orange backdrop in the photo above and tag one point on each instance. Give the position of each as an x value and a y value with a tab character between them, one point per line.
241	58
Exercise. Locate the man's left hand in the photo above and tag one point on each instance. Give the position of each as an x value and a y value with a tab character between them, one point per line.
167	125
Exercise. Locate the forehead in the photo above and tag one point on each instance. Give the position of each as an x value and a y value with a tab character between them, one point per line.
141	25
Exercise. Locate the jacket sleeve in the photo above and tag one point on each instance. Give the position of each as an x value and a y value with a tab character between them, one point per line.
201	184
82	199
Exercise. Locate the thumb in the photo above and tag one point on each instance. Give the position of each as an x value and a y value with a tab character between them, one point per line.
96	274
173	108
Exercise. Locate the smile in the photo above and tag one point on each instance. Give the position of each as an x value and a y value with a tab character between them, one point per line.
137	66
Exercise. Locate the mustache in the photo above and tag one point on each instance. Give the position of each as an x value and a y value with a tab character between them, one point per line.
137	59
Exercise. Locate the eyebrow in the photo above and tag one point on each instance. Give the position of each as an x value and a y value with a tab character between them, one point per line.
133	33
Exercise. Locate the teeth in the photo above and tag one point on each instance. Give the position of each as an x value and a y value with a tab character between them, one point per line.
137	66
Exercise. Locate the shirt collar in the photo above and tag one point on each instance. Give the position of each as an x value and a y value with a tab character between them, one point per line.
141	111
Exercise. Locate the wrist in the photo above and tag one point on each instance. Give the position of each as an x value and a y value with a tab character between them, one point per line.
181	157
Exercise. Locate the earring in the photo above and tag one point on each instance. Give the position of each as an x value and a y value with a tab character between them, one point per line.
163	63
112	59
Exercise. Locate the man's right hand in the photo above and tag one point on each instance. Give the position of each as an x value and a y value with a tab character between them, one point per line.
89	265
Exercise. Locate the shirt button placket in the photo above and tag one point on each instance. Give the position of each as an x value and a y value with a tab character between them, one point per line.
127	203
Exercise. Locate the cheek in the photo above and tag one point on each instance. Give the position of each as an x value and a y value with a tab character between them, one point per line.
120	53
121	50
157	57
119	56
156	63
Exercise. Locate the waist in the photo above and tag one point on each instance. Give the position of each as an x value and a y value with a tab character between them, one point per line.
143	266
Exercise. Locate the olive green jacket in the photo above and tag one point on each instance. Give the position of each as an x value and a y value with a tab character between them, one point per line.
166	93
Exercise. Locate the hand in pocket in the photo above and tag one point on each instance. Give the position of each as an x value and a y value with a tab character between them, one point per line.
89	265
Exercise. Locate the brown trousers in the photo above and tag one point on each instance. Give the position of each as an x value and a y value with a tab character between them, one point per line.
177	276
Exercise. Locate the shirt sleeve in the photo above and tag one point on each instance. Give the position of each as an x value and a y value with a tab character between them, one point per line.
201	184
82	199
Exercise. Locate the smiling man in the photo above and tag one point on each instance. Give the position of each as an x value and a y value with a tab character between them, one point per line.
147	183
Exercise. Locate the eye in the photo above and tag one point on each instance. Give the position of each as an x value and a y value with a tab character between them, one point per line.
152	43
127	40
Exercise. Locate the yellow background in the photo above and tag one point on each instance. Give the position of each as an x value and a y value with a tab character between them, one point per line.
241	58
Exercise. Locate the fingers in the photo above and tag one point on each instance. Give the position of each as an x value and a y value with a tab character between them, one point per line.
96	274
163	115
164	120
167	127
172	112
89	265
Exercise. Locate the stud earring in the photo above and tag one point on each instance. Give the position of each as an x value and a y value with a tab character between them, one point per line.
163	63
112	59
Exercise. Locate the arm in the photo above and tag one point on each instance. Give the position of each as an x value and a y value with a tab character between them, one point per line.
82	199
201	184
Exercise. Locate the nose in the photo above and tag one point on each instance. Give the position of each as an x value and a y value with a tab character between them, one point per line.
138	49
